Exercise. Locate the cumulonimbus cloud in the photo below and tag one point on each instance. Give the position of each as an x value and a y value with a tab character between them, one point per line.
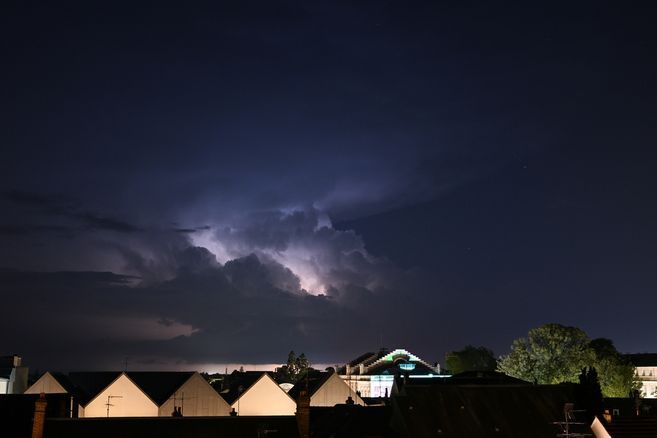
304	241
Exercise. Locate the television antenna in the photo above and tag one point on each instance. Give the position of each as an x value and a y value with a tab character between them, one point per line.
109	402
569	421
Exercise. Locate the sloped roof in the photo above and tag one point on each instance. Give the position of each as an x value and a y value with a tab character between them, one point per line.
239	383
452	411
159	385
643	359
87	385
66	382
392	368
369	355
314	380
387	362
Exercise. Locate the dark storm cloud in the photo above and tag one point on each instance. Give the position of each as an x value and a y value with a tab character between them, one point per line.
305	241
213	315
23	230
106	223
57	205
192	230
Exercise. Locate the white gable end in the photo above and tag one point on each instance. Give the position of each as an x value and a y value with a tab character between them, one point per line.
125	399
196	398
46	384
333	392
264	397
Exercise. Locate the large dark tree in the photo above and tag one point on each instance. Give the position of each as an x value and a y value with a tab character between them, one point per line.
295	368
589	394
615	374
550	354
554	353
471	358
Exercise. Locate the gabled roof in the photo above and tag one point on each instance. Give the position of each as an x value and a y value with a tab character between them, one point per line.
66	382
363	358
643	359
159	386
239	383
387	362
314	380
392	368
87	385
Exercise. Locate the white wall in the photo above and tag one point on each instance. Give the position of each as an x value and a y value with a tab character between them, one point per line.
648	378
598	429
46	384
197	398
334	391
358	384
127	400
4	386
265	397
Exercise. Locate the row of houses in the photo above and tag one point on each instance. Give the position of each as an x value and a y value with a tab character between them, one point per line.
148	394
153	394
370	375
471	404
366	380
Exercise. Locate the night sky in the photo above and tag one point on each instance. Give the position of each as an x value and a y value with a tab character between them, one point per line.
197	184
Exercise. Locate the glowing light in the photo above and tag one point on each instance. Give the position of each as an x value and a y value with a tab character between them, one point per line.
206	240
299	260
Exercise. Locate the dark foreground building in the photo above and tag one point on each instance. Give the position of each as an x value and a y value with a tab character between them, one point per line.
469	406
480	411
165	427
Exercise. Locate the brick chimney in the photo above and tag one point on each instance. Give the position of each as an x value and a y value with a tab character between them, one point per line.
39	416
303	414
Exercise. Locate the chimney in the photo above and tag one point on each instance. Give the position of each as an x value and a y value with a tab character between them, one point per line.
39	416
303	414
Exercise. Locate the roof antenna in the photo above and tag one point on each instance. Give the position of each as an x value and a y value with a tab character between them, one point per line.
109	402
125	364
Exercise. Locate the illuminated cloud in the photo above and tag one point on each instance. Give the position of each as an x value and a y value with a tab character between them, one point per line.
303	241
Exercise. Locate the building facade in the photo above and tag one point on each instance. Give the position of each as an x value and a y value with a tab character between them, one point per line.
13	375
645	370
372	375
